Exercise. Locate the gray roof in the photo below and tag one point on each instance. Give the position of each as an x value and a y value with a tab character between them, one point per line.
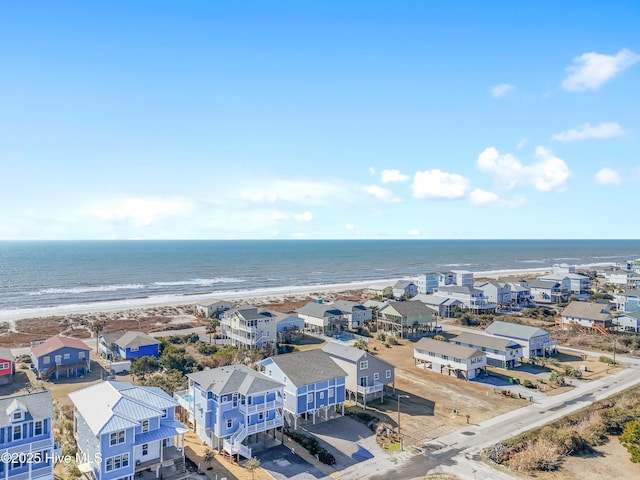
587	310
446	348
39	405
541	284
409	308
348	305
234	379
5	354
249	312
319	310
514	330
311	366
211	303
429	299
129	339
494	343
458	289
402	284
349	354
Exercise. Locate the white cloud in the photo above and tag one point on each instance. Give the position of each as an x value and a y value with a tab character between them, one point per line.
372	171
141	211
546	174
591	70
522	142
481	198
388	176
303	217
501	90
604	130
349	226
438	184
414	232
381	193
298	191
607	176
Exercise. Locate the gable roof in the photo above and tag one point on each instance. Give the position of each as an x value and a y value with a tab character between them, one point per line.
212	303
587	310
446	348
56	343
110	406
5	354
486	341
249	312
349	354
319	310
458	289
38	404
542	284
233	379
135	339
311	366
409	308
514	330
403	284
348	305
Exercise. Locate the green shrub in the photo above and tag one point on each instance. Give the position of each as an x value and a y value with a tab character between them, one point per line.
605	359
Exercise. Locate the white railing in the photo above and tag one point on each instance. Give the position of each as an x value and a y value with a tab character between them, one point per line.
376	387
236	447
258	407
181	396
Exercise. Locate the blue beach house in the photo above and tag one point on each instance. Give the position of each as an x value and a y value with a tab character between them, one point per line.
314	385
128	345
232	406
123	430
60	357
26	427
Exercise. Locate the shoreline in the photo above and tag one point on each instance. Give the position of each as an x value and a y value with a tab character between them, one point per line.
270	295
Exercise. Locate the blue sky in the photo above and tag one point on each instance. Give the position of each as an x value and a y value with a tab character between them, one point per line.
334	119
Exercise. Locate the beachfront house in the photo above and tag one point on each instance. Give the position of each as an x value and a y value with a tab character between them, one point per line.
449	359
367	375
461	278
128	345
627	279
546	292
232	407
26	437
379	291
573	282
404	318
427	283
314	384
535	341
211	308
495	292
130	429
322	318
627	301
520	295
249	327
440	306
472	299
355	313
501	352
7	366
596	316
60	356
288	327
404	289
628	322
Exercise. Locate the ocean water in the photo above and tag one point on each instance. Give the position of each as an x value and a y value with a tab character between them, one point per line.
45	277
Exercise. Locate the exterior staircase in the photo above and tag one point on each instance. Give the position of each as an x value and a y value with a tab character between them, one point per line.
599	328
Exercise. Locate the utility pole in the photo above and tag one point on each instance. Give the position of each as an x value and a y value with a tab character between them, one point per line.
399	435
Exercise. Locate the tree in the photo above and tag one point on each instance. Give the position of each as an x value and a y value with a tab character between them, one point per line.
207	458
211	327
630	438
97	327
252	465
144	366
361	344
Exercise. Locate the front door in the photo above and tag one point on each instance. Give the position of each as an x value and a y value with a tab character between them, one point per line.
363	381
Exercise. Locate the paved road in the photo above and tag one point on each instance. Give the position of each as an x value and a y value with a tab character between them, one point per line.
458	453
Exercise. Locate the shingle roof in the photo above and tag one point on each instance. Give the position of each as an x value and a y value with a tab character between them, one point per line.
514	330
234	379
541	284
211	303
319	310
494	343
56	343
311	366
402	284
38	404
410	308
429	299
110	406
458	289
249	312
135	339
5	354
587	310
348	306
446	348
349	354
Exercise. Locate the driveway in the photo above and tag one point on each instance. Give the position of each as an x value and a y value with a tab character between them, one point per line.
282	464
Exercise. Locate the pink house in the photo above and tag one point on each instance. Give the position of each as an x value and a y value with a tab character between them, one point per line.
7	367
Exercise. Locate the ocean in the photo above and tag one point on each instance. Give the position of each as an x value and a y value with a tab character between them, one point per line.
51	277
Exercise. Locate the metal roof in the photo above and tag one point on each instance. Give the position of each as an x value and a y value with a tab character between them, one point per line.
486	341
514	330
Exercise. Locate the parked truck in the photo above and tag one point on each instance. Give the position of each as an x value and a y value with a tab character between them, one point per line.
120	368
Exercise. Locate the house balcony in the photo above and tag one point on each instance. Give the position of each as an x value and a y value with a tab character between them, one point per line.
169	456
259	407
375	388
185	399
254	339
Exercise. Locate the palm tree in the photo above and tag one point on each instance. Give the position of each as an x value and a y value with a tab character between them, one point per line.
211	327
208	458
97	327
252	465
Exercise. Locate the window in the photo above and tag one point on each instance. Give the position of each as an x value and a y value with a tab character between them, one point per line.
388	373
261	416
117	462
364	365
331	393
321	395
445	357
80	354
230	423
164	413
45	360
67	356
134	349
284	395
145	449
145	426
116	438
310	398
376	376
4	365
37	428
270	373
17	416
17	432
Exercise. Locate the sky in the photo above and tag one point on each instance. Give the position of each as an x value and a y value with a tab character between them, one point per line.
319	120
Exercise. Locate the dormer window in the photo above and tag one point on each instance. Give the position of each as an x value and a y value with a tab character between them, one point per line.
17	416
145	426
